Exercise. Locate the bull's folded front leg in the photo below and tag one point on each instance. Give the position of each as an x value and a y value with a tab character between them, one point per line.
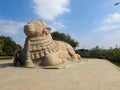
28	61
51	60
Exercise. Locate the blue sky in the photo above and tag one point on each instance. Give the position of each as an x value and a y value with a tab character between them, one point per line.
91	22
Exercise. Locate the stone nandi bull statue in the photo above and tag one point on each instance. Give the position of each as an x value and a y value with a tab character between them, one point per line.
41	49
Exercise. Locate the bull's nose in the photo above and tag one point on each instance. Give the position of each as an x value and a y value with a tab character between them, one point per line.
29	30
28	27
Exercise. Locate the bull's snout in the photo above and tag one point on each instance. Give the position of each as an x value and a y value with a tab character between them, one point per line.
29	30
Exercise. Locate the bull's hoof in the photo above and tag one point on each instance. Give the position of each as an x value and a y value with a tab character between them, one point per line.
29	64
51	60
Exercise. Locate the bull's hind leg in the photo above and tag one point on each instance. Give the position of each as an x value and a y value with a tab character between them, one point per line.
79	57
73	55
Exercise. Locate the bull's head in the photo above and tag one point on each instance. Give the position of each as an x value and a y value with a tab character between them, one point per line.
36	28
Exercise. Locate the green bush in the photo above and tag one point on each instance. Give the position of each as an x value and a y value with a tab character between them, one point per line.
111	54
8	46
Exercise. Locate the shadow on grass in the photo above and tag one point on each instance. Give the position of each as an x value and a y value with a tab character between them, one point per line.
4	65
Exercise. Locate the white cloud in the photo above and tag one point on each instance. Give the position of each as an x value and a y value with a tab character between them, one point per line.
111	25
107	28
10	26
50	9
111	22
106	41
56	26
112	18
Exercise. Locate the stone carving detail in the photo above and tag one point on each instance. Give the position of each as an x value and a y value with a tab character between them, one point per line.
41	49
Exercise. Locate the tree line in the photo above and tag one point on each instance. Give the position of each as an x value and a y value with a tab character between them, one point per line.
66	38
8	46
112	54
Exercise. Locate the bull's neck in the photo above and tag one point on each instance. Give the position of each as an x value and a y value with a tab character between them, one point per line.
40	46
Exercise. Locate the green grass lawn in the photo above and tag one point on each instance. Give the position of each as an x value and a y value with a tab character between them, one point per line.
6	58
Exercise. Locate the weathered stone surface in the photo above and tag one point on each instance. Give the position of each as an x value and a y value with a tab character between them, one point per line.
89	74
41	49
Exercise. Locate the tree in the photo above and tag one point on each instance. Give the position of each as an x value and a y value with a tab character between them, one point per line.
1	44
113	55
83	52
8	46
66	38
